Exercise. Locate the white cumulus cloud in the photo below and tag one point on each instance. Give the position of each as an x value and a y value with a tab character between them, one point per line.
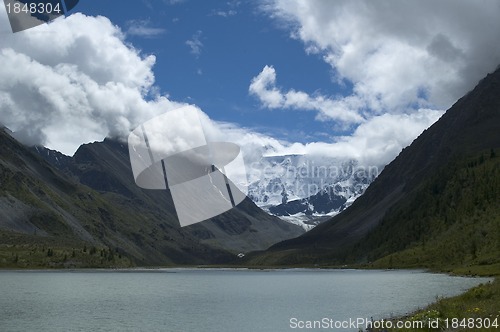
406	60
399	55
77	80
264	87
74	81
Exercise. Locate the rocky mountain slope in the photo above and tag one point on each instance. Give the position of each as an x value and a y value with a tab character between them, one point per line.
304	189
439	198
91	201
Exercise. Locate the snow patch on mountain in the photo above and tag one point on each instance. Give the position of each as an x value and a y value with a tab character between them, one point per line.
304	189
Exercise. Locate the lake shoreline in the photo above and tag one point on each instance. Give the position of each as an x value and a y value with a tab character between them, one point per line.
471	273
332	293
440	308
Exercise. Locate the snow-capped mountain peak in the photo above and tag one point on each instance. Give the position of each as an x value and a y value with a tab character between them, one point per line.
304	187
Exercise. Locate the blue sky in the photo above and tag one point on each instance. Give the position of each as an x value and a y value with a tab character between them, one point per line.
351	79
237	39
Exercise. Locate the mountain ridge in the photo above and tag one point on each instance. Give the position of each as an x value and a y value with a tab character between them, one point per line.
90	200
469	127
105	166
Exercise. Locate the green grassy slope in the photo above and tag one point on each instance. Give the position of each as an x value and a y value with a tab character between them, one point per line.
478	309
452	219
436	204
105	167
42	209
91	200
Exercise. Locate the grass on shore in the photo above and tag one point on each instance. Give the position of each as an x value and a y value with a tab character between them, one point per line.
480	304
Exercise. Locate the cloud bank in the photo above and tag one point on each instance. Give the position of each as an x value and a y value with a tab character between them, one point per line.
399	55
77	80
406	61
74	81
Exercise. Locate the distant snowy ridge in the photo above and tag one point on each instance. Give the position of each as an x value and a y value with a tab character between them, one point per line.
303	189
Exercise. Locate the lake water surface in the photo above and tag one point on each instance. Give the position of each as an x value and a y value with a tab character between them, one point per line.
211	300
